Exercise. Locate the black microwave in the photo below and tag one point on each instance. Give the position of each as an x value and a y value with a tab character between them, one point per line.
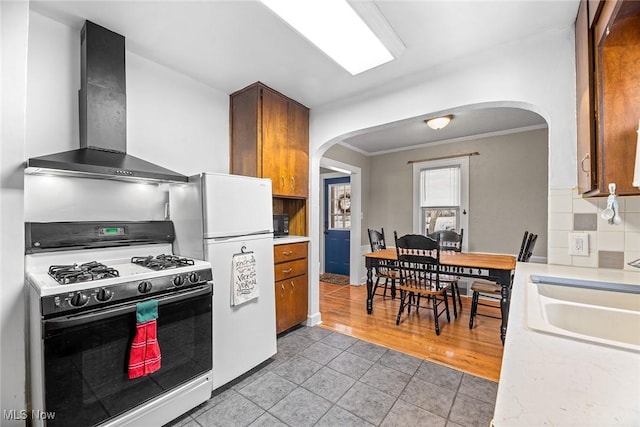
280	225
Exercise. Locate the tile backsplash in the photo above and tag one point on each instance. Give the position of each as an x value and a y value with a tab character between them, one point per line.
610	246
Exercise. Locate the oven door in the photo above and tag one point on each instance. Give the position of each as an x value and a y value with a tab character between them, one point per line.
86	357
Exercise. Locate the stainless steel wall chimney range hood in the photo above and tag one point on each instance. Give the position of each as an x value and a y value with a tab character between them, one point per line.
103	118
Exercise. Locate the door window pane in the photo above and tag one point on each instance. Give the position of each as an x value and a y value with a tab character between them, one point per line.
340	206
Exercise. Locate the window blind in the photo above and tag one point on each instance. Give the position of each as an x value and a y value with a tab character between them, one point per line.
440	187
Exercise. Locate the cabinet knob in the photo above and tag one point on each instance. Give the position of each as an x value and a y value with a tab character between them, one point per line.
287	271
287	253
283	181
293	182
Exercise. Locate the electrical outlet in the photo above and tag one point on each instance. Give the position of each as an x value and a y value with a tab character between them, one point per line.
579	244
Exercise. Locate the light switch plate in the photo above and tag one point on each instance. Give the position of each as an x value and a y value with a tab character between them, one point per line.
579	244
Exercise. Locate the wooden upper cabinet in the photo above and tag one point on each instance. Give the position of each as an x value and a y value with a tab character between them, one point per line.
273	146
298	146
270	139
613	90
584	99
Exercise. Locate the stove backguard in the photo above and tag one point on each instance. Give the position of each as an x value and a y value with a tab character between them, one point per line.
58	236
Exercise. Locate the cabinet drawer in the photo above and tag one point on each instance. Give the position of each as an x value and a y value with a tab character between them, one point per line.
289	269
288	252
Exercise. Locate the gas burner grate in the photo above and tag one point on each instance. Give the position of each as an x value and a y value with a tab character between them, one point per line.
66	274
162	262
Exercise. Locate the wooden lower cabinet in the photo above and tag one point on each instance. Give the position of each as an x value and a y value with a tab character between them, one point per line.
291	302
291	285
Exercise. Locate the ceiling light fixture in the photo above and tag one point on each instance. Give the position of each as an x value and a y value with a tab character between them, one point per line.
438	123
336	29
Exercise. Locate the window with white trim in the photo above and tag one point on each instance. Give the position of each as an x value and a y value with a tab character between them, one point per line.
440	199
441	195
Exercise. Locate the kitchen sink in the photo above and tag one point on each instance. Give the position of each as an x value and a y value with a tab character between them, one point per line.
602	313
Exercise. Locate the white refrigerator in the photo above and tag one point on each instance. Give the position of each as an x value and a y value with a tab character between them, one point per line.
227	220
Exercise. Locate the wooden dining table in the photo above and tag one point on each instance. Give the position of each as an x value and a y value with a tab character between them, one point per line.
494	267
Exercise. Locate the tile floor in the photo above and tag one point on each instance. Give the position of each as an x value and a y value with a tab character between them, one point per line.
323	378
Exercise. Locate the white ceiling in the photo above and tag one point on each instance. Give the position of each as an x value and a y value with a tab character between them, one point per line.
230	44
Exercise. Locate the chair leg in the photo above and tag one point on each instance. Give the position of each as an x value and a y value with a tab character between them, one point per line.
474	308
403	296
434	302
386	285
446	306
459	299
453	299
393	288
375	287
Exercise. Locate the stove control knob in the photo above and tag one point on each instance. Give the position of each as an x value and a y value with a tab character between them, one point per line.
144	287
194	277
178	281
104	295
79	299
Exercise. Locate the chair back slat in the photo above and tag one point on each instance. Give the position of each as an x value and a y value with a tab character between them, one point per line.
449	240
418	261
531	243
523	246
376	240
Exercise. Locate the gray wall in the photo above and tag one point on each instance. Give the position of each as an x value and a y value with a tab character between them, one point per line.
508	189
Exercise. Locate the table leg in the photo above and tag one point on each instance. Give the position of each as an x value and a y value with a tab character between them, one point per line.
369	289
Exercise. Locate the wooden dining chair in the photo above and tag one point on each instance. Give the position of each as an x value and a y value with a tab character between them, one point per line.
492	290
451	241
383	271
420	270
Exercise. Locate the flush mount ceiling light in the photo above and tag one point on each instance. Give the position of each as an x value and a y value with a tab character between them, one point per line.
336	29
438	123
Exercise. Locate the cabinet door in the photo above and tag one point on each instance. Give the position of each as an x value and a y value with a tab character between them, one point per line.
298	143
617	59
299	288
584	94
273	150
291	302
283	306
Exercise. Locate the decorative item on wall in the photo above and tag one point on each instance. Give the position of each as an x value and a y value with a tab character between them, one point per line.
345	203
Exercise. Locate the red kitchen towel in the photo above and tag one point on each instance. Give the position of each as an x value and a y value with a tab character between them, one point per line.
145	357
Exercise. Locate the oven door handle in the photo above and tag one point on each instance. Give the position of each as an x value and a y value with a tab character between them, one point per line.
129	307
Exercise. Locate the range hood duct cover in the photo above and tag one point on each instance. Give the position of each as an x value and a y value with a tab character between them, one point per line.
103	117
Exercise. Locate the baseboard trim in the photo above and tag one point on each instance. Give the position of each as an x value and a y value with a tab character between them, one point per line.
314	319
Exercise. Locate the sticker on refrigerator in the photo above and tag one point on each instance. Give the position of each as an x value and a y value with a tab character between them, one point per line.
244	286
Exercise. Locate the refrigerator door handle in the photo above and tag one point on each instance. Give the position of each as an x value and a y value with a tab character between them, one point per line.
235	236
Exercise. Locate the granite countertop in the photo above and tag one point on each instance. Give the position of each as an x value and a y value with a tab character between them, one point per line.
289	239
555	381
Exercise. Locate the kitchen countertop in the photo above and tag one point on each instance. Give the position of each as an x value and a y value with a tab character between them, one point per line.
555	381
289	239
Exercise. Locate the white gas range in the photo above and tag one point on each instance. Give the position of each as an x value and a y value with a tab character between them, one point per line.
87	282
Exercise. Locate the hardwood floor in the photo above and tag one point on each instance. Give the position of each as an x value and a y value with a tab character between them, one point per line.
477	351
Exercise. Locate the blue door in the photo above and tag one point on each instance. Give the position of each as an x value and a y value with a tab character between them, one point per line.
337	225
